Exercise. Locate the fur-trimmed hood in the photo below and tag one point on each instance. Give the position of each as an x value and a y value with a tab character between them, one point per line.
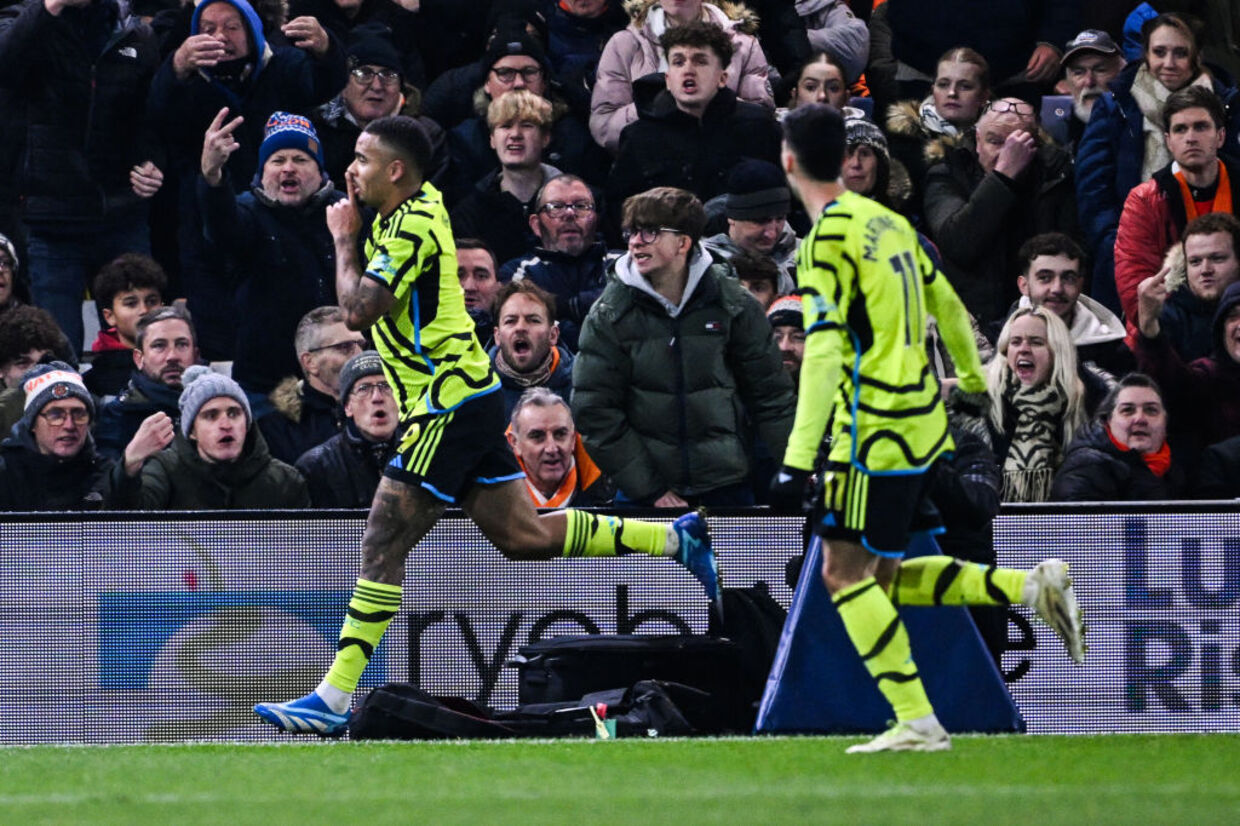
286	398
904	120
744	19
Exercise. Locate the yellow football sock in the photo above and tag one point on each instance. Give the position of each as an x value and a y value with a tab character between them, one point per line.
880	638
942	580
370	610
590	534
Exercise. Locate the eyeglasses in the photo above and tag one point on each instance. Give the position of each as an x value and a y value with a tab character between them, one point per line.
506	74
364	75
6	263
647	234
1017	106
559	209
344	348
56	416
364	391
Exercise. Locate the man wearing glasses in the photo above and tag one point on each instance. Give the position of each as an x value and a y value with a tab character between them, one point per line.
676	365
989	196
307	410
515	62
48	462
344	471
570	261
375	88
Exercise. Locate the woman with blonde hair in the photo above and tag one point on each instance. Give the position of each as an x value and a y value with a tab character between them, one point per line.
1037	402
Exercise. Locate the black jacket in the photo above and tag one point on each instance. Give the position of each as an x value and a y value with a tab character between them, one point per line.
284	266
120	418
344	471
303	418
496	217
576	281
31	481
1218	471
667	147
73	92
979	221
1095	470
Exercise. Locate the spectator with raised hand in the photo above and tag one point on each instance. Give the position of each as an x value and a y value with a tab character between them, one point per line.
217	461
1122	456
164	347
571	260
692	129
558	471
282	258
1124	143
992	194
84	162
635	52
344	471
1203	396
227	62
1178	303
125	289
497	208
676	362
921	133
48	460
397	19
1197	182
1037	402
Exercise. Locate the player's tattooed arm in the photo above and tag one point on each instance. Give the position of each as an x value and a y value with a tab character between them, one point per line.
362	300
366	304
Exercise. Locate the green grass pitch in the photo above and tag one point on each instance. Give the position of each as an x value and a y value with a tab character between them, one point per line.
806	780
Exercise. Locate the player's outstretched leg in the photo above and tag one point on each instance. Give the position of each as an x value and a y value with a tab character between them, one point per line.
399	516
942	580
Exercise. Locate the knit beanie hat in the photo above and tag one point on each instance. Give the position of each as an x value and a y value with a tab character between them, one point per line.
7	246
365	363
757	190
201	384
508	43
52	382
786	311
370	45
861	131
285	130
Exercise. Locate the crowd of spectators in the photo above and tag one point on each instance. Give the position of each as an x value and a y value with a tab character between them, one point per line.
626	239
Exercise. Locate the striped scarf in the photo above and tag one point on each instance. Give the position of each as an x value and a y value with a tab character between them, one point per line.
1034	452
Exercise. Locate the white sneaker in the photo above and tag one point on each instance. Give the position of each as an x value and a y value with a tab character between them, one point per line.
1048	590
926	734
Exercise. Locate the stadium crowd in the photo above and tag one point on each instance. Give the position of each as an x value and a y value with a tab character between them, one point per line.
625	234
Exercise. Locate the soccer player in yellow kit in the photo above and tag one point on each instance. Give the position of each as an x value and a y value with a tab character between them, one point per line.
867	287
453	449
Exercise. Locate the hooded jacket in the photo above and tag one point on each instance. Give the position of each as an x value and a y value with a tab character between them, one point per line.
915	148
72	90
1202	397
635	52
284	265
177	478
1095	470
669	147
31	481
120	418
1098	335
344	471
664	395
979	220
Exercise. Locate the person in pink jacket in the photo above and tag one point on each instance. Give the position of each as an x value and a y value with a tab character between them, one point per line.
634	51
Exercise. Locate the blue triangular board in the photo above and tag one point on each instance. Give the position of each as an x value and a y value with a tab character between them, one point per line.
818	684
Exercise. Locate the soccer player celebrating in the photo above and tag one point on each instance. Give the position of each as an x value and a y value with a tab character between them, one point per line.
867	287
453	449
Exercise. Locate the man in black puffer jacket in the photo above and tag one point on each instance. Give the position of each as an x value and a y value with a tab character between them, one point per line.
344	471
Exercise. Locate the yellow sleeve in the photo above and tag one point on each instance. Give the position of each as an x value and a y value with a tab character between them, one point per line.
954	324
823	293
398	259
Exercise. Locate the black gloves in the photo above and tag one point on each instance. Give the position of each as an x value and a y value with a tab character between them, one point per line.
791	491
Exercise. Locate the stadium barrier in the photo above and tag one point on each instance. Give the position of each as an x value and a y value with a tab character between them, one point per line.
156	627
